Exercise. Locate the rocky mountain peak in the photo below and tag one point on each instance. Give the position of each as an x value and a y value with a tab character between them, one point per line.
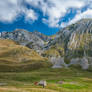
24	37
75	38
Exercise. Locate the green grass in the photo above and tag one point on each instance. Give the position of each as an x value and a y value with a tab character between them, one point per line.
74	80
74	86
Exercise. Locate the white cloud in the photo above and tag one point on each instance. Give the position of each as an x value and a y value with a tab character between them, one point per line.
11	9
59	9
8	10
53	9
30	15
51	22
79	16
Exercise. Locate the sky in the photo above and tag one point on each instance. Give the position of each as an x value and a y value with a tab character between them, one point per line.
45	16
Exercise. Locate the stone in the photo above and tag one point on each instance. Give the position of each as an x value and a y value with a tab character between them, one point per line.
58	62
83	62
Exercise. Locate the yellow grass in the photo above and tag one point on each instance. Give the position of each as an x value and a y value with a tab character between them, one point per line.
10	51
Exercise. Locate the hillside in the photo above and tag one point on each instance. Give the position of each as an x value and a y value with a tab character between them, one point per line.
76	42
12	55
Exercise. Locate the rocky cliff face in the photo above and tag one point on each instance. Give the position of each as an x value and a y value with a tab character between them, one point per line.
42	36
76	42
76	38
33	40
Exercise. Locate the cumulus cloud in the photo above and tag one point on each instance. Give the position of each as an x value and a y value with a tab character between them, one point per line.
30	15
53	10
59	8
11	9
79	16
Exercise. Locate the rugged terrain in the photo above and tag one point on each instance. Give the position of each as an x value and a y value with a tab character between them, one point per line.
72	44
74	38
34	40
28	57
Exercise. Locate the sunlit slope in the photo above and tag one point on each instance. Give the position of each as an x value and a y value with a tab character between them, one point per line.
13	54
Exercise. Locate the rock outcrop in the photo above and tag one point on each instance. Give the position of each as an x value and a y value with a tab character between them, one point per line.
23	37
58	62
76	42
83	62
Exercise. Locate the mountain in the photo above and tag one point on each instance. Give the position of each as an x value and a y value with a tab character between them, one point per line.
73	42
77	36
15	57
33	40
42	36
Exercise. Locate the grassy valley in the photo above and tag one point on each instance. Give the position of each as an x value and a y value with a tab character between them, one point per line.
74	80
21	67
27	58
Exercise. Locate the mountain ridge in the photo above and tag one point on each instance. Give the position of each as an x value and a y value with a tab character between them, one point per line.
26	38
72	43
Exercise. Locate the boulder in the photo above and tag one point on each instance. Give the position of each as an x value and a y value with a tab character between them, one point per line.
58	62
83	62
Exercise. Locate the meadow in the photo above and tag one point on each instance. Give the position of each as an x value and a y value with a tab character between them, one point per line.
74	80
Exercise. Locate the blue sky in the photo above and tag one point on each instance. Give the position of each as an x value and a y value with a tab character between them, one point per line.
45	16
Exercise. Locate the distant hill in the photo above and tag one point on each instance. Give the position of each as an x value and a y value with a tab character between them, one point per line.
18	57
34	40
